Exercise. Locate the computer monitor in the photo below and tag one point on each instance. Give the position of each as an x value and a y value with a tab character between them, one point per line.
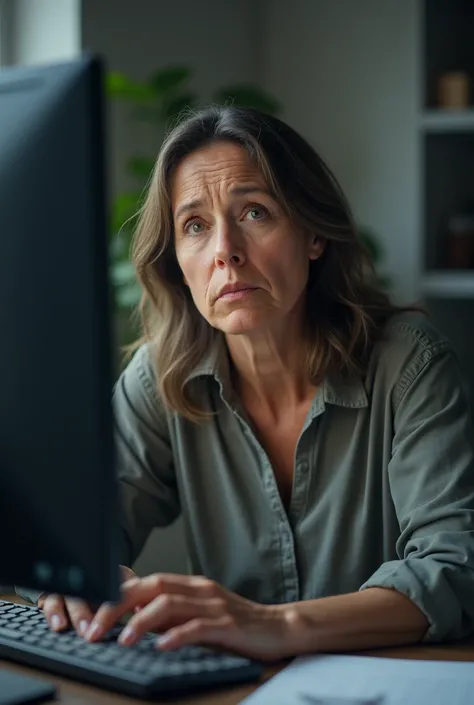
58	497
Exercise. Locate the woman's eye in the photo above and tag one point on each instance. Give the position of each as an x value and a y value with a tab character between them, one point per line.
194	227
257	213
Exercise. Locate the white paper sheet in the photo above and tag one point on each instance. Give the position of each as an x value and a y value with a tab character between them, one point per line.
359	680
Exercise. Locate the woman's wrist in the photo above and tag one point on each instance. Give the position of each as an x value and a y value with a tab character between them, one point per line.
299	633
373	618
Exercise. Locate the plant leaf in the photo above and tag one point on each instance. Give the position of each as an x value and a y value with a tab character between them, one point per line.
247	96
371	244
168	79
128	296
121	86
125	207
122	273
141	166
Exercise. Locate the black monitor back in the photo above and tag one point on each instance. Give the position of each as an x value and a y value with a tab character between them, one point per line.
58	504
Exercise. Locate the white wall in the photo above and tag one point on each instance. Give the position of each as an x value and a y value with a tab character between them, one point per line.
347	73
220	41
45	30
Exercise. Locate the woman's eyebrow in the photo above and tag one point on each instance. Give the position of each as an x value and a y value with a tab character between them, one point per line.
235	191
189	206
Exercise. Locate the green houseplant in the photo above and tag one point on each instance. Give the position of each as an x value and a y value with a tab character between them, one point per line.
376	254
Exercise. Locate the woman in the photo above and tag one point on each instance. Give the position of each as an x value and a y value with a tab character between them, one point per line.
314	436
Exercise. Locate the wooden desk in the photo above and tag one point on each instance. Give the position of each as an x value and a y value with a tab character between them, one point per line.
74	693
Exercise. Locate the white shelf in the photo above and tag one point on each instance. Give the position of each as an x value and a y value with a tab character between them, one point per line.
448	284
440	120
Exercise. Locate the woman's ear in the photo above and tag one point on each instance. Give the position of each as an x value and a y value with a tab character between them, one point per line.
316	247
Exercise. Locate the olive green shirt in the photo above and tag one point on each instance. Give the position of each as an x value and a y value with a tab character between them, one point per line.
383	486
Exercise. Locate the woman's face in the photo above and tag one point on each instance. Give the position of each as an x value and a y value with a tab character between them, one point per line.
230	231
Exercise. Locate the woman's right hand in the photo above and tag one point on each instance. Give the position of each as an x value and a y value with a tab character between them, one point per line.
61	612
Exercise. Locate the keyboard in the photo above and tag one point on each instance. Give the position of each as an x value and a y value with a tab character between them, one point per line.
141	670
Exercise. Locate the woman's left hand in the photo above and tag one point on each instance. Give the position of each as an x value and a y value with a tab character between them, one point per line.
194	610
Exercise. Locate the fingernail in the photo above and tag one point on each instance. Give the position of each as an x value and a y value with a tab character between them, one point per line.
83	627
128	636
163	641
57	622
93	631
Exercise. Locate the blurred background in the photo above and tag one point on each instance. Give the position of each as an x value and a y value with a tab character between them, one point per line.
384	89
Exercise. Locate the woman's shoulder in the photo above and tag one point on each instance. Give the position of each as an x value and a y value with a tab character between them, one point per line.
407	344
413	331
140	366
137	382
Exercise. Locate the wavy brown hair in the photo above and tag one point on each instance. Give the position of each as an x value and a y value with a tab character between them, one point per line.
345	308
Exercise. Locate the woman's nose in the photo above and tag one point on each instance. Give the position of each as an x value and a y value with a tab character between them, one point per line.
229	248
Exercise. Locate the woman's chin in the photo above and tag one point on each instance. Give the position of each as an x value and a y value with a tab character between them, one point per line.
242	321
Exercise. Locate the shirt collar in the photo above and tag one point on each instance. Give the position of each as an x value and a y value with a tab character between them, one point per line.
347	392
215	364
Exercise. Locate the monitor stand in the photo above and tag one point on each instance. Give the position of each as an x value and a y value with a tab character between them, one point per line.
16	689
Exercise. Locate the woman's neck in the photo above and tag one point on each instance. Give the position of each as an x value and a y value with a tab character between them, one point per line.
269	371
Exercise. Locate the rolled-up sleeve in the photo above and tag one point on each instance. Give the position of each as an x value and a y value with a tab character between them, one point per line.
431	475
148	489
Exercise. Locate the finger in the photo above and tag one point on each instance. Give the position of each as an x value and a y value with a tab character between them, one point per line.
92	629
42	599
80	614
55	612
211	632
105	618
127	574
141	591
167	611
165	583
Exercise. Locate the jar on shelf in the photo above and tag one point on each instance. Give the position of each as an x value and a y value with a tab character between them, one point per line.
460	242
453	90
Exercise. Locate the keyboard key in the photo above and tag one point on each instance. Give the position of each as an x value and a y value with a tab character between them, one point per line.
105	657
170	669
146	646
11	625
93	648
43	627
84	652
142	666
29	639
65	648
10	633
123	663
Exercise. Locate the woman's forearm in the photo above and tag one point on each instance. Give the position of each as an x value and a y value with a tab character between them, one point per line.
368	619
